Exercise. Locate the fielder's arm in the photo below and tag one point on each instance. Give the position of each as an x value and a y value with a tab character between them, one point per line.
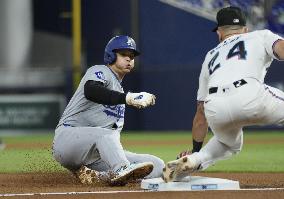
279	49
199	127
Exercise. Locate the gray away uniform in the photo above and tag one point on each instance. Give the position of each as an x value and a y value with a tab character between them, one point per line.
88	133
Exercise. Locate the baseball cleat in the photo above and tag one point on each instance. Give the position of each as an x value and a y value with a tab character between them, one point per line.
88	176
177	169
131	173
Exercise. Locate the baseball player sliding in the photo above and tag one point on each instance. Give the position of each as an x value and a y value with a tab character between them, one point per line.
231	93
87	138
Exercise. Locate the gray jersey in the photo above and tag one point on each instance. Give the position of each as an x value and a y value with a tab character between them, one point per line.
81	112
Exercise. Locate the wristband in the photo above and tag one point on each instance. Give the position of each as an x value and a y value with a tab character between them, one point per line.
196	146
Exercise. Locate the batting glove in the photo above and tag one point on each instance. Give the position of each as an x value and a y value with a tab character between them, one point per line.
140	100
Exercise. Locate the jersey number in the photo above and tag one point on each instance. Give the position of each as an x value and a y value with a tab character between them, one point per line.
211	66
237	50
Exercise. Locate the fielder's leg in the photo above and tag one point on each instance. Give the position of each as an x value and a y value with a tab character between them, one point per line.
213	151
273	105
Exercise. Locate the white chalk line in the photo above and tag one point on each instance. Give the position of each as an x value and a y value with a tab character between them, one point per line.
68	193
110	192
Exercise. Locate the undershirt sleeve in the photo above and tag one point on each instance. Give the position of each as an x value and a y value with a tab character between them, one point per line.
96	92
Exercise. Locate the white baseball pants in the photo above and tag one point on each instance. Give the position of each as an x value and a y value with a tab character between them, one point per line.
230	109
98	148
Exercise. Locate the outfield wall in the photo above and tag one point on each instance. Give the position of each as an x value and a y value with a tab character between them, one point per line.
30	113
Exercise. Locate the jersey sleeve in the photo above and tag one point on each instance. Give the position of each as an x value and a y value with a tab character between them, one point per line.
203	83
99	74
270	40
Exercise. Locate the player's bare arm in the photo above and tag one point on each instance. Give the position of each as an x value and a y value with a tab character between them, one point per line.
279	49
199	127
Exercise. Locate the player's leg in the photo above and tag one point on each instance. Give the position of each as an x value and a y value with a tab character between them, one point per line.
125	172
216	150
212	152
111	150
139	158
125	169
77	146
262	104
273	102
99	165
227	140
224	118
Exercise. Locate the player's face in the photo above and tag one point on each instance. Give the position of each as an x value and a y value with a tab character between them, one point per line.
124	62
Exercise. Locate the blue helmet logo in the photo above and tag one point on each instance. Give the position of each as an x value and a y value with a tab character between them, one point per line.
117	43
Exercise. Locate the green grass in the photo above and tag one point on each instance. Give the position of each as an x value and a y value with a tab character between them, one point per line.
264	157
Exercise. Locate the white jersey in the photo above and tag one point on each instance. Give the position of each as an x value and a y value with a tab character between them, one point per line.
235	95
237	57
81	112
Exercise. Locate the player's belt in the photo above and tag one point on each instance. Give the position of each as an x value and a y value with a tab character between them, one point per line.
236	84
65	125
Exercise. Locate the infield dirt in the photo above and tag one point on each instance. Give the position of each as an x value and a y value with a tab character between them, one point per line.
66	182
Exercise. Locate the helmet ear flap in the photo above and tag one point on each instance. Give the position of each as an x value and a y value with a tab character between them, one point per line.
109	57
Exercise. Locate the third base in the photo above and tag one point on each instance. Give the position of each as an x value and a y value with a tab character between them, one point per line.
190	183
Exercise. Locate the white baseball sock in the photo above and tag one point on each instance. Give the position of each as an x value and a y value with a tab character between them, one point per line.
214	150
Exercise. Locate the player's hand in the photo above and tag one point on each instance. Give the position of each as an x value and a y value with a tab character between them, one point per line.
184	153
140	100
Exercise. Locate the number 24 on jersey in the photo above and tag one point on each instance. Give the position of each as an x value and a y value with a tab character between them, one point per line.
237	50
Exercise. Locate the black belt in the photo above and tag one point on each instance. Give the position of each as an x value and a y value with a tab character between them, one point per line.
236	84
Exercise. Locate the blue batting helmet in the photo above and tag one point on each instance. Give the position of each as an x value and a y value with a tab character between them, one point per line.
117	43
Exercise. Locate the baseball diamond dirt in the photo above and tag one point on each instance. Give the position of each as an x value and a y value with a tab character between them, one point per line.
64	182
253	185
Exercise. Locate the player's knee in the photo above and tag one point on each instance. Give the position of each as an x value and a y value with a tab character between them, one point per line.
236	149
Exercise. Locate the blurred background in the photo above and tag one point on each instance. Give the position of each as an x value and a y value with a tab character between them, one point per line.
47	45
